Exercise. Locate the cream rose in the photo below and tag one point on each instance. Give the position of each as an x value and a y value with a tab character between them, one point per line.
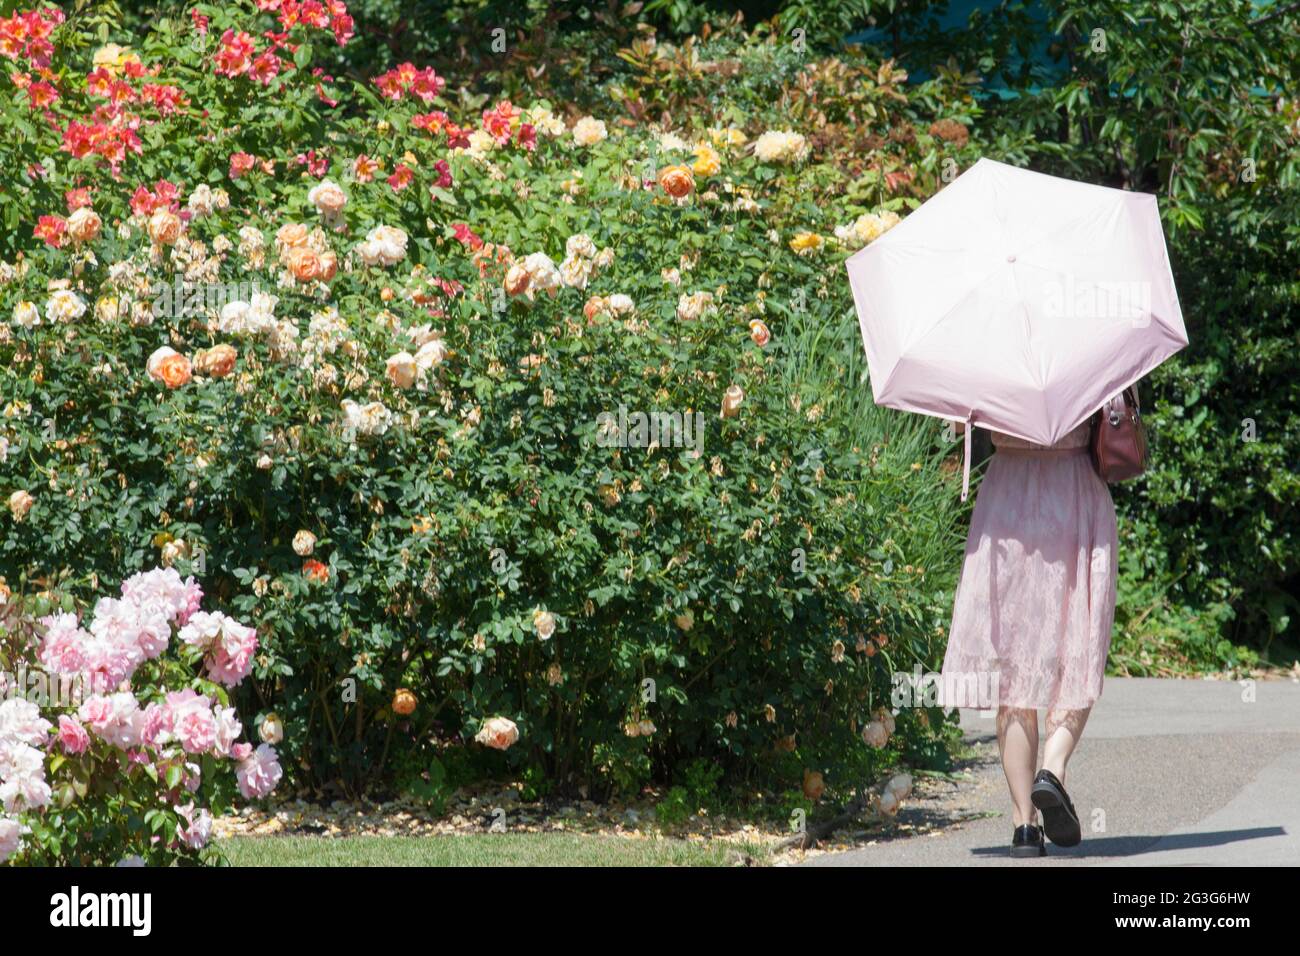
383	246
589	131
26	315
271	729
304	543
64	305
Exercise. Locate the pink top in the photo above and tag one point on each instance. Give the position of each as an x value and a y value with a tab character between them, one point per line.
1078	438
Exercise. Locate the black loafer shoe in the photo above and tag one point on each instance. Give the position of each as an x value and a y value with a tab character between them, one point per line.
1059	819
1028	841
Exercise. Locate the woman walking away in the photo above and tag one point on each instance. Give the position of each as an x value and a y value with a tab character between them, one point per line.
1032	618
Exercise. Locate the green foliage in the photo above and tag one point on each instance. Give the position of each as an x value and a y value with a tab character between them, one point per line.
719	602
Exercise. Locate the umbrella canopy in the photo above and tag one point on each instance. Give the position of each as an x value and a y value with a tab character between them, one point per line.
1017	301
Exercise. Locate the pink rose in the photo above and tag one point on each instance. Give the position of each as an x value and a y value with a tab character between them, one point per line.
258	773
72	735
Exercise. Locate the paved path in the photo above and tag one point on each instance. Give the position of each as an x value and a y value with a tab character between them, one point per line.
1169	773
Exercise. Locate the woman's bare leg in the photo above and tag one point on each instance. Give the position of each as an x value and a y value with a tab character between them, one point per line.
1064	728
1018	745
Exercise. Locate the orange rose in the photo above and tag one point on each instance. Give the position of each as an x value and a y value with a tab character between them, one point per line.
216	362
174	370
315	570
403	702
164	227
304	264
677	181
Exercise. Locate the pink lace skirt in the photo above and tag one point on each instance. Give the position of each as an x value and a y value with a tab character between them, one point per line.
1034	607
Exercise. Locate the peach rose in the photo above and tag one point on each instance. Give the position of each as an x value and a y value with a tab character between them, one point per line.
216	362
402	370
304	263
759	333
327	197
290	236
154	360
499	733
174	370
84	224
164	227
677	181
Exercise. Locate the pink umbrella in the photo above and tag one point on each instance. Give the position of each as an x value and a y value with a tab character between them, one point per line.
1017	301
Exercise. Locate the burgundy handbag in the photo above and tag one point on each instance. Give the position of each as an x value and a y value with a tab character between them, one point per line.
1119	439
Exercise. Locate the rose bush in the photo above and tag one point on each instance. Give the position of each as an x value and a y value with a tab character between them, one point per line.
499	424
112	750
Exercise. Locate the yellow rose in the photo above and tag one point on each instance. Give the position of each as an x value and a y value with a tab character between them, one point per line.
806	242
707	161
113	58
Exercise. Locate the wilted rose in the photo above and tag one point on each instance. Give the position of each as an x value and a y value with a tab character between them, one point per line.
731	400
20	502
517	279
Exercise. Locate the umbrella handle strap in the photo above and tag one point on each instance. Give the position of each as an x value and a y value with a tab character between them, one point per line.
965	461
